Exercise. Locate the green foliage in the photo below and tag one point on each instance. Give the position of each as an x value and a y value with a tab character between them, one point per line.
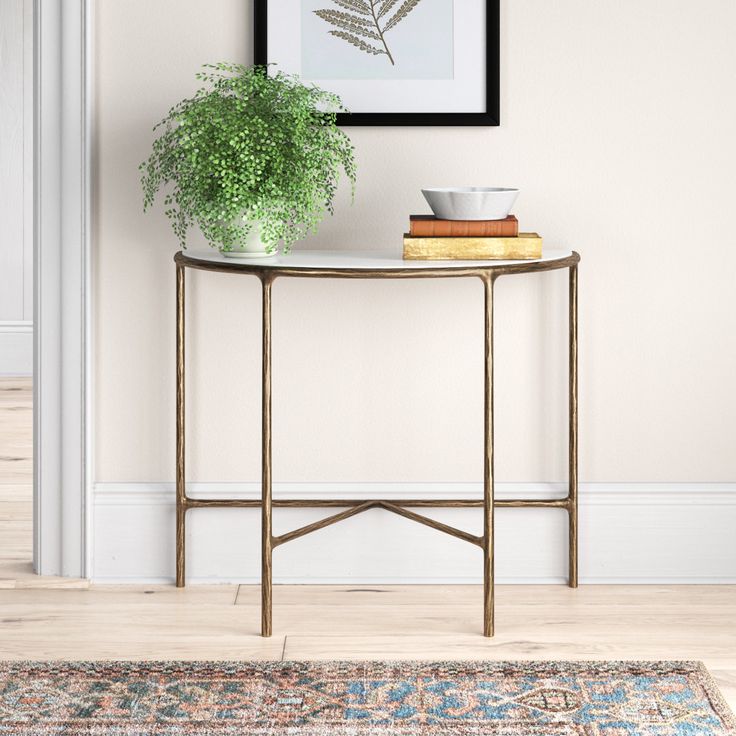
249	147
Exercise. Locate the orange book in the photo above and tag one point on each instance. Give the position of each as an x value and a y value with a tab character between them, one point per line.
428	226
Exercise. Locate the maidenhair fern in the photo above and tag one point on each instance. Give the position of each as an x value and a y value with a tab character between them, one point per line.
250	147
367	22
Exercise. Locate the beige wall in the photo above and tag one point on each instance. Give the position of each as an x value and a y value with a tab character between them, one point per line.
617	126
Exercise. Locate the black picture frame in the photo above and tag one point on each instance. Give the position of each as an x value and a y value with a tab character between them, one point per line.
490	117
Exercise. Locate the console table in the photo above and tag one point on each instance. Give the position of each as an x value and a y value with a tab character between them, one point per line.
374	265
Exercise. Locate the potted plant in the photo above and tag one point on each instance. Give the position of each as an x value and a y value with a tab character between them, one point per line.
253	158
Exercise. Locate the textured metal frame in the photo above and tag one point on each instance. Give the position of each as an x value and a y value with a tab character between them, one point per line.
488	275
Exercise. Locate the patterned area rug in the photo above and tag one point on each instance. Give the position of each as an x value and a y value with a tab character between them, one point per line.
361	699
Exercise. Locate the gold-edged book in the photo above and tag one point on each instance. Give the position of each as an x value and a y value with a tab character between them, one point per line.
525	247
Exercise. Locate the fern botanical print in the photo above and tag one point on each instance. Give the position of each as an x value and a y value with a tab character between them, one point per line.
365	23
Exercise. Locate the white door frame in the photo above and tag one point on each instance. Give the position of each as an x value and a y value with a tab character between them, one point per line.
62	374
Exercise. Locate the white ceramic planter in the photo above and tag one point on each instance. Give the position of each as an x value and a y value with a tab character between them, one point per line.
471	203
253	248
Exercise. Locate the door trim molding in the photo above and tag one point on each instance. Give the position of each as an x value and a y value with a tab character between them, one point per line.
61	286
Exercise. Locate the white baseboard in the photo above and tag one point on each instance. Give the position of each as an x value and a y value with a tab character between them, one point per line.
629	533
16	348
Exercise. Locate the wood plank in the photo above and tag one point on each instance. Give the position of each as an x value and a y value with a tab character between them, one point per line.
726	681
16	478
16	523
16	434
131	622
664	597
107	647
375	620
535	646
153	597
18	574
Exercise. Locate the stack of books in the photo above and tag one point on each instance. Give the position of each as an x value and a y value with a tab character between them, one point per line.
432	239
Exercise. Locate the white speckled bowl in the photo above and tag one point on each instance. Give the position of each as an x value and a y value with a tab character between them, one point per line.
471	203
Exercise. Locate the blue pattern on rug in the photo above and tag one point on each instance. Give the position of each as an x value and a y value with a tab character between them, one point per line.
361	699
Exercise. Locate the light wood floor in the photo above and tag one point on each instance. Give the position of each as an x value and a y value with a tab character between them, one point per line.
16	478
340	622
16	490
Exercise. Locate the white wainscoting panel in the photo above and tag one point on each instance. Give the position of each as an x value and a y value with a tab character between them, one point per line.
16	187
629	533
16	348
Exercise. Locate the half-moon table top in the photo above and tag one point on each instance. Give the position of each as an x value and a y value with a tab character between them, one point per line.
371	262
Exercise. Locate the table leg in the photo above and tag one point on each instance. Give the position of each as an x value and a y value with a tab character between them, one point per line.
488	531
181	507
266	531
572	495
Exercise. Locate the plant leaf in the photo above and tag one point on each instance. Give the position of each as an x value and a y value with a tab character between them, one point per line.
345	16
357	6
401	13
357	42
348	22
386	7
250	145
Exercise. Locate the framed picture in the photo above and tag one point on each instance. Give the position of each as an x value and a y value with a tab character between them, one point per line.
393	62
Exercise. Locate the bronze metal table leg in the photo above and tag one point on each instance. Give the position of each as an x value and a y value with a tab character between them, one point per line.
488	536
572	496
488	275
266	531
181	507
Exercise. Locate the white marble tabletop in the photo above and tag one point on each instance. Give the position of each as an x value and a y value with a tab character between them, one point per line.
356	260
